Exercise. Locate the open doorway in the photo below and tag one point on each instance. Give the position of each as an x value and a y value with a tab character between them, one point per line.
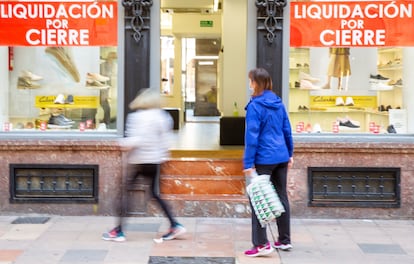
200	58
190	47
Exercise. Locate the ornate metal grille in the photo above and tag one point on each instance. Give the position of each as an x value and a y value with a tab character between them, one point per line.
354	187
53	183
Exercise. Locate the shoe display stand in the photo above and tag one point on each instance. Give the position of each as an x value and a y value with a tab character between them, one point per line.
300	110
64	115
298	62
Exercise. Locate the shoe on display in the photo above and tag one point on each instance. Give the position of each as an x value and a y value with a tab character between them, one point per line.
61	54
348	123
317	128
339	101
306	76
60	99
281	246
391	129
60	121
308	85
378	77
97	76
26	83
380	87
69	99
95	84
349	101
262	250
30	75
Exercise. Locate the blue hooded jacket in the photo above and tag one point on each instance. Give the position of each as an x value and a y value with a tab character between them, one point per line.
268	135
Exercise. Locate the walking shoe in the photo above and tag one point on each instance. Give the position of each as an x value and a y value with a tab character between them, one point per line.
281	246
65	60
174	232
259	250
114	235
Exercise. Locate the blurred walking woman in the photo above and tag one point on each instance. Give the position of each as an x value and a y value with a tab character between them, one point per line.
148	131
268	150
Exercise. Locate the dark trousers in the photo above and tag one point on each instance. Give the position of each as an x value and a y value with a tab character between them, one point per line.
151	171
278	177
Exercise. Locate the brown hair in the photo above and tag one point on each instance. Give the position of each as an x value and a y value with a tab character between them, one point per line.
146	99
262	78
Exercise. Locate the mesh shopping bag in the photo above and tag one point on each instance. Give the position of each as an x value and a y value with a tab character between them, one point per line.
264	199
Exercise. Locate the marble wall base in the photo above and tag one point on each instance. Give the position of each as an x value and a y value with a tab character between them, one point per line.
208	185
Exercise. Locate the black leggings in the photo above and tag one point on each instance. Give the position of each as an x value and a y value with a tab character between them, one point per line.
278	177
147	171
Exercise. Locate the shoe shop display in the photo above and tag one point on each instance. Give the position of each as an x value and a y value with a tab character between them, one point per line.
95	84
69	99
380	87
317	128
349	101
97	76
308	77
60	99
62	55
339	101
378	77
26	83
391	129
348	123
308	85
59	121
30	75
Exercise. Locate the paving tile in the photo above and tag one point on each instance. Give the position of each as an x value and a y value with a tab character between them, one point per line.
25	232
382	249
190	260
9	255
78	255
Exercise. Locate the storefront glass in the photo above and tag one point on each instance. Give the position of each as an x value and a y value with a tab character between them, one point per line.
59	70
349	67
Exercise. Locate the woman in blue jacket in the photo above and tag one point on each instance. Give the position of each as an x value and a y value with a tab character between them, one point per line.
268	150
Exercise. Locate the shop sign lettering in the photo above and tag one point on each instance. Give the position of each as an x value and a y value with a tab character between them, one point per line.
351	24
64	23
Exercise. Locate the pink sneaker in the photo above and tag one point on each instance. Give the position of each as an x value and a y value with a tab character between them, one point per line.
281	246
259	251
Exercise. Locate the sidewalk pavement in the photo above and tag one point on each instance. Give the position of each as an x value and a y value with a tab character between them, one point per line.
77	239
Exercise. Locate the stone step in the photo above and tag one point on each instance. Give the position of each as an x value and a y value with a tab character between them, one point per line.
204	184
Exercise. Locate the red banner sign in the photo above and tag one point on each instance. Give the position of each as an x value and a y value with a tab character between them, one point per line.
351	24
64	23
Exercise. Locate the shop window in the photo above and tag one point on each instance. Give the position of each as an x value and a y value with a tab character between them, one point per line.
62	67
350	73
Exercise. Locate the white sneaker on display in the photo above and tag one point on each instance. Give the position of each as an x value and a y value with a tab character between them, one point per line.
349	101
339	101
60	99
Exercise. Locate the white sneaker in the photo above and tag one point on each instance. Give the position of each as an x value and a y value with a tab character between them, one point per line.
349	101
60	99
339	101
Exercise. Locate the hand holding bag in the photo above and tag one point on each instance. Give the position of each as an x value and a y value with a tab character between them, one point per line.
264	199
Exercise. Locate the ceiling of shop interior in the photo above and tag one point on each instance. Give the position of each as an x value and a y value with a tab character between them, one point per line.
189	6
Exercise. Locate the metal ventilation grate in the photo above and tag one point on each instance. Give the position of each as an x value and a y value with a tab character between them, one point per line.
354	187
53	183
